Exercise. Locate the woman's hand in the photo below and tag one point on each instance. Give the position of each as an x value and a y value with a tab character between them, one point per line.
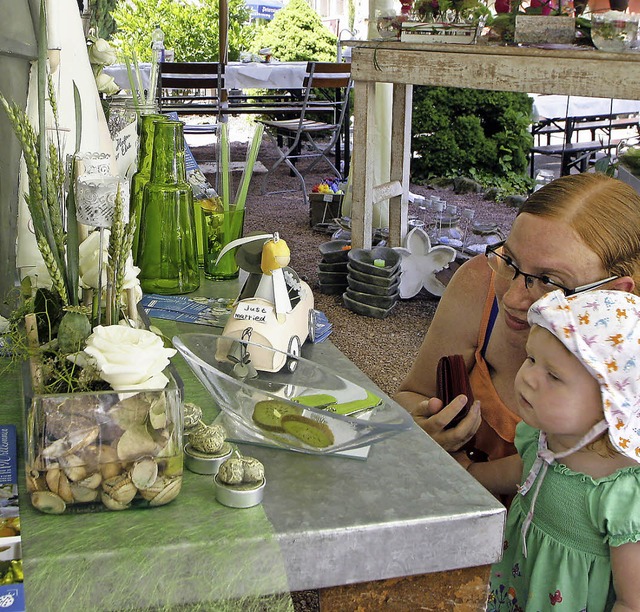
433	418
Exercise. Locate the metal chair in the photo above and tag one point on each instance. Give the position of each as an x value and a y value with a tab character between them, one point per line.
323	113
192	88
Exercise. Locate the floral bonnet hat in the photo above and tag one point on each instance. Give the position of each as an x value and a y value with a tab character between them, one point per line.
602	329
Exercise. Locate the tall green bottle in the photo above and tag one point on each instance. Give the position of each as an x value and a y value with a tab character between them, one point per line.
143	173
167	249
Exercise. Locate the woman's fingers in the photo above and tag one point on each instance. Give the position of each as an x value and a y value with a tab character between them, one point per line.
433	419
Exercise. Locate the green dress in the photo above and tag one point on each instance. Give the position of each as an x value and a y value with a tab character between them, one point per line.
576	519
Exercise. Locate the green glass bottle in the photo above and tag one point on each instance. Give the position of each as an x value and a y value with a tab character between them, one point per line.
167	249
143	173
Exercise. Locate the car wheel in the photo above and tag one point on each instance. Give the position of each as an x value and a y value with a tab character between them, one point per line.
312	325
294	352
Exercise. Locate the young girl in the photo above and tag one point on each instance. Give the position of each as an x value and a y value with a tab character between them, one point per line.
573	531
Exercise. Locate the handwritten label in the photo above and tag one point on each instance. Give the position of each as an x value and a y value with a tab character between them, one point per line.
246	311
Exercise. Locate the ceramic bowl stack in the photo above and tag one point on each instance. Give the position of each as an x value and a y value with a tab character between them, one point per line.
332	269
373	279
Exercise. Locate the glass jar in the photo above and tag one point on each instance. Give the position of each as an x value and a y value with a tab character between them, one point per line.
103	450
445	229
167	247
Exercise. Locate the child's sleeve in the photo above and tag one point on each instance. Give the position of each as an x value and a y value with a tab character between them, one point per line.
617	507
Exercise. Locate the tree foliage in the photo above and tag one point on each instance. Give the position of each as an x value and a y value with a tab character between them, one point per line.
101	19
474	133
190	29
296	33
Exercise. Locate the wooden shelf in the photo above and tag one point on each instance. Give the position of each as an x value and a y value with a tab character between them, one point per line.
567	71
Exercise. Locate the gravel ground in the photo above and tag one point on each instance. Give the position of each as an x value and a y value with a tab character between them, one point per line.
361	338
382	348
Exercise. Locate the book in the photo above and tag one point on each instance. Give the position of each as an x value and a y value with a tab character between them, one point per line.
11	587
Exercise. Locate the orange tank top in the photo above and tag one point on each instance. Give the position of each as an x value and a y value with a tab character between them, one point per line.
498	428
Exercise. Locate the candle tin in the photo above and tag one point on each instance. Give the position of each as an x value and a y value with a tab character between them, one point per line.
243	495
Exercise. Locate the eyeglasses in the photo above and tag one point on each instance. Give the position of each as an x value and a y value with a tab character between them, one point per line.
504	267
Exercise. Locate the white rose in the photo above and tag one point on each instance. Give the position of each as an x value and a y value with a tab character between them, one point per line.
106	84
129	358
89	251
101	52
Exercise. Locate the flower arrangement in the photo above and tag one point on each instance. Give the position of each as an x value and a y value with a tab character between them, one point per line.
328	185
85	275
450	11
103	422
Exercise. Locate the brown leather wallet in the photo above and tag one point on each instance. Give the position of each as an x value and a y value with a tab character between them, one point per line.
453	380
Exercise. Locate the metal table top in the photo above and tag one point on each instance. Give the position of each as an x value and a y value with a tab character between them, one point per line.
325	521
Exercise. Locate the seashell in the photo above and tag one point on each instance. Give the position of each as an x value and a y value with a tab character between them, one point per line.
150	492
130	411
90	457
73	467
56	449
83	494
111	503
158	412
253	470
48	502
91	482
231	471
192	414
168	493
161	438
144	472
120	488
58	483
79	439
208	438
35	480
135	442
109	464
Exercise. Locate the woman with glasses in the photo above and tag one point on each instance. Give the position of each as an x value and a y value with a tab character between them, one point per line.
577	233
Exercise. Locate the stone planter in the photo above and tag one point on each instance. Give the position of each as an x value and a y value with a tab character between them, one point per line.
541	29
323	207
103	450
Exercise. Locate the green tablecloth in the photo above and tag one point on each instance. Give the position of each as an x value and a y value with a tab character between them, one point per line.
185	555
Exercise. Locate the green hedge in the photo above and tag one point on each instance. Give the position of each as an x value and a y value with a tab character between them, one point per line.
296	33
484	135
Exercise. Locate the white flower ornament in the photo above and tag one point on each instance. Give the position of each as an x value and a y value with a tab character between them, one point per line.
420	262
129	358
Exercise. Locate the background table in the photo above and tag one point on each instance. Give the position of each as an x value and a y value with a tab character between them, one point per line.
409	509
526	69
238	75
558	107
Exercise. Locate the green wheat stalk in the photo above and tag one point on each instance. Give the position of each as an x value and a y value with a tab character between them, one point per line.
57	278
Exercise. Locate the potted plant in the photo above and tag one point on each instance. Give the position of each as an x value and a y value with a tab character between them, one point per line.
536	21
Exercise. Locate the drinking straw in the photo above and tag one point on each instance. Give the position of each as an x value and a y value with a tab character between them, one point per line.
247	173
225	179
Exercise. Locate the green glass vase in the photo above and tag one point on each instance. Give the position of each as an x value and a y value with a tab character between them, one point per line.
167	249
142	175
219	229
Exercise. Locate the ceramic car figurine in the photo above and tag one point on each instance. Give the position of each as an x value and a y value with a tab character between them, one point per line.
274	308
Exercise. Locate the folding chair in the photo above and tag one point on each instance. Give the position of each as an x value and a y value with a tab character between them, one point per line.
192	88
323	109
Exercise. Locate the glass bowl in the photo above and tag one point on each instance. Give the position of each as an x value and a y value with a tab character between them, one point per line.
292	408
614	30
